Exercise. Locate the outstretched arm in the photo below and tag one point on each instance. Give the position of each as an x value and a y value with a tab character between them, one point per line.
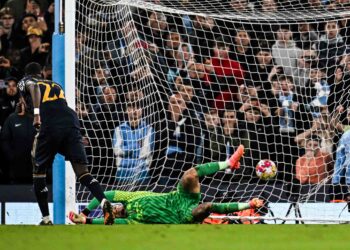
203	210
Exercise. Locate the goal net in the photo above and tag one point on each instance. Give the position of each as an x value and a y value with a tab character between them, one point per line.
165	85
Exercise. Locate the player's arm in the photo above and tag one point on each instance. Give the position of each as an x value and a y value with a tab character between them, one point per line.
34	90
203	210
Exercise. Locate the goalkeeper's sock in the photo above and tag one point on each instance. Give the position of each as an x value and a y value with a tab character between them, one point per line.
224	208
210	168
93	185
41	193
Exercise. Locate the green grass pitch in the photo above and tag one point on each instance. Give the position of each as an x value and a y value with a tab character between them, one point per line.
191	237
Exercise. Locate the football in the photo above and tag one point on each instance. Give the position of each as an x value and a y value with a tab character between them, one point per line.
266	169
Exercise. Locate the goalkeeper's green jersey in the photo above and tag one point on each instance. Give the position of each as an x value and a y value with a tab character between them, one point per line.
149	207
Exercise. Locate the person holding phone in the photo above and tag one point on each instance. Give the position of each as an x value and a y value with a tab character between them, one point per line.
36	51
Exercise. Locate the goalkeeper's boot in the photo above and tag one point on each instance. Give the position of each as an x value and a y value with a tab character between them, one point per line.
108	213
44	222
234	159
77	218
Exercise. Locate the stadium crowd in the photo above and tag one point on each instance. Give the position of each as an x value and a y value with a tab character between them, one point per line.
280	89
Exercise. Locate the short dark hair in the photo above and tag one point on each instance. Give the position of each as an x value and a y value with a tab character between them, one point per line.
29	15
33	69
282	78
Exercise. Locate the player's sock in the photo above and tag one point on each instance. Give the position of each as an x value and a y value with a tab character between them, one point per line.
93	185
224	208
210	168
41	193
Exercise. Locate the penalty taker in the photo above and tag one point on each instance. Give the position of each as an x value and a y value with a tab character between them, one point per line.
181	206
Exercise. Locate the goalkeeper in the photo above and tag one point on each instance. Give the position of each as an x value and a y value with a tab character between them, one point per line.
177	207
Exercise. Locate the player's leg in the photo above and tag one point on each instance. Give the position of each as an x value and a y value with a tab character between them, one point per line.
73	149
203	210
190	179
213	167
42	158
86	179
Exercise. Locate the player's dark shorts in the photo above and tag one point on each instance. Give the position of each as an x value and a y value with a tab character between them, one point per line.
50	141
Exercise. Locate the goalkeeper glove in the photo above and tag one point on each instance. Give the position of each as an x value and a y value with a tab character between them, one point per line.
256	203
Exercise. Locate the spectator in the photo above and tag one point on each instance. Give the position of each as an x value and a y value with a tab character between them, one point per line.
213	137
330	47
288	119
284	51
345	61
21	29
7	20
313	168
339	89
201	83
315	165
246	93
255	134
241	6
108	112
229	72
6	69
179	60
93	88
185	89
172	51
178	137
203	37
287	105
21	7
242	50
345	29
301	73
37	51
155	29
269	6
9	97
306	36
49	19
321	128
260	70
316	92
230	132
133	145
104	117
17	138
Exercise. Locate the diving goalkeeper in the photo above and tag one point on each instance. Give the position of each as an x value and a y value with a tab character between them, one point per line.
177	207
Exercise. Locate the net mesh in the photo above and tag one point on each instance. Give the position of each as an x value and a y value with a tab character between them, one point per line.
165	85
